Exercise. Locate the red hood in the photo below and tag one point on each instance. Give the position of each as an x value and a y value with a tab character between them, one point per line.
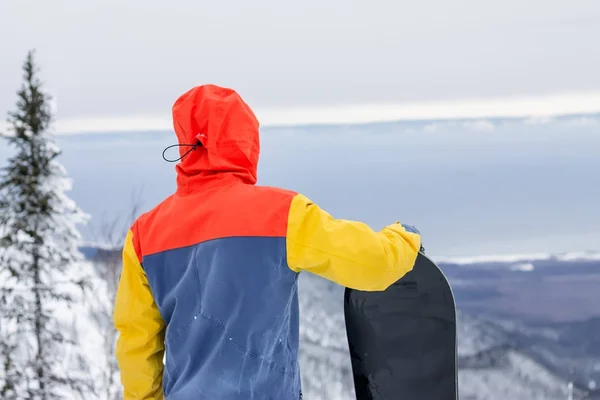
228	131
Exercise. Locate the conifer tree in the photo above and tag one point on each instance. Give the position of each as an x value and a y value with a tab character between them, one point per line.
39	253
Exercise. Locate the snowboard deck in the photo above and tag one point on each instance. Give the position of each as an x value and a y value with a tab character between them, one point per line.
403	340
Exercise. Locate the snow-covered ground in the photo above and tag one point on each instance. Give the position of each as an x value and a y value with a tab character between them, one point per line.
498	359
492	367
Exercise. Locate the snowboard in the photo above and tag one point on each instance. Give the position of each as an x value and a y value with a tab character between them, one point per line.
402	340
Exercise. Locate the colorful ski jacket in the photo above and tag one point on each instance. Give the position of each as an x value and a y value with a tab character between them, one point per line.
207	302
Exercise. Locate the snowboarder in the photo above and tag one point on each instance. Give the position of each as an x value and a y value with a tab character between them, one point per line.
209	278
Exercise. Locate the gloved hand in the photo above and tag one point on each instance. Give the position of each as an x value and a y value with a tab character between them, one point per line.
412	229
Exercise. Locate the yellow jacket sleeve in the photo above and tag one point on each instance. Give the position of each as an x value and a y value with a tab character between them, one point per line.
349	253
140	346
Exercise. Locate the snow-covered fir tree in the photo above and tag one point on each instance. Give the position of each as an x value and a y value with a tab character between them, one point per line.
40	358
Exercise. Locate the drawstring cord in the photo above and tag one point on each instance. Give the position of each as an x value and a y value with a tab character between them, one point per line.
193	147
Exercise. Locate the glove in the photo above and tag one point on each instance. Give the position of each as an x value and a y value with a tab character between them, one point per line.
412	229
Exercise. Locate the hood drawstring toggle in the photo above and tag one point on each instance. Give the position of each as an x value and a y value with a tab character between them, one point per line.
193	147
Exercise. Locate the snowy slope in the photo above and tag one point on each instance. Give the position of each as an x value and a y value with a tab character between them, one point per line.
498	359
491	365
324	358
90	321
516	377
87	323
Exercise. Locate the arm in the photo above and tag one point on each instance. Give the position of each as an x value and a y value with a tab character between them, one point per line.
140	346
347	252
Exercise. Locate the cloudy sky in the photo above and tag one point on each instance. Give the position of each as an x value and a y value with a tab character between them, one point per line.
114	64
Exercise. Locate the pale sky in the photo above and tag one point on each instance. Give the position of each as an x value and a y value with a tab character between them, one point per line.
121	64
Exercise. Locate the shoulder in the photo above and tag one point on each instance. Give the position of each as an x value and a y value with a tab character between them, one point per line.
274	197
276	192
147	219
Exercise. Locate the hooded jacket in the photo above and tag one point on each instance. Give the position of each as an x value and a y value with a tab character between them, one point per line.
207	302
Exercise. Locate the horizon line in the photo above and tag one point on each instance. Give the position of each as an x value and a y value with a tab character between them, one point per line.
535	106
581	255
